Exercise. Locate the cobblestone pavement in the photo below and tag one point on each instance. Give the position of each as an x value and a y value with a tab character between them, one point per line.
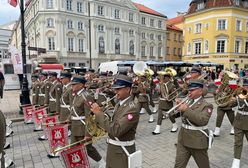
158	150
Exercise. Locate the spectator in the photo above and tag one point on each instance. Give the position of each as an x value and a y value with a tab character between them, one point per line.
2	82
241	73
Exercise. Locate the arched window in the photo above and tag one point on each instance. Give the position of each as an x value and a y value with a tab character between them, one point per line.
117	46
101	45
131	47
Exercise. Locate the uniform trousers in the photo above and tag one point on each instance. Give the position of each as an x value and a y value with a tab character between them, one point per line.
91	150
220	116
238	141
184	153
145	105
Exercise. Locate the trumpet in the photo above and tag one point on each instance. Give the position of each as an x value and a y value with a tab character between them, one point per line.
175	107
172	93
242	93
106	103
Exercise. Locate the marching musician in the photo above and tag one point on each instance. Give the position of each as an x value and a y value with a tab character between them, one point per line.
122	127
43	81
240	125
143	98
35	88
193	136
167	95
80	109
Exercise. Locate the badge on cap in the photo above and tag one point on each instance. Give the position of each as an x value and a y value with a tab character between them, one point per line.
210	110
130	117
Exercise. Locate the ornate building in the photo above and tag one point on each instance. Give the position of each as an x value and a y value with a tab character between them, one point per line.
217	31
77	32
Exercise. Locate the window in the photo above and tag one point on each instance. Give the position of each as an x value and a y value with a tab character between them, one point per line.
151	51
49	4
100	10
117	30
198	28
238	25
174	51
222	24
159	24
247	25
168	51
143	51
206	46
151	36
143	20
246	47
70	44
81	64
179	52
100	28
221	46
152	22
117	14
197	47
245	4
69	5
159	38
179	37
200	6
80	25
81	45
8	69
175	37
69	24
130	17
168	36
236	2
143	35
131	47
101	45
159	51
131	32
51	44
71	64
237	46
50	22
189	48
117	46
79	7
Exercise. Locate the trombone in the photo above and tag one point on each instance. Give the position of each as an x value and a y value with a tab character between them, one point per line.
175	107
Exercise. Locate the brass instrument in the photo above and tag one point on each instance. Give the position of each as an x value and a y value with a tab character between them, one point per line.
224	91
242	93
175	107
140	69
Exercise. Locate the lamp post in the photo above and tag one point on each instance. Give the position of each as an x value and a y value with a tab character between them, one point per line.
24	97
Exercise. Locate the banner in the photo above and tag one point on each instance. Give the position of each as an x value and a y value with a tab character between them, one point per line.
50	121
57	136
27	113
76	157
38	115
16	58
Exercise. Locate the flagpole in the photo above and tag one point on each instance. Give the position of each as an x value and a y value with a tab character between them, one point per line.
24	97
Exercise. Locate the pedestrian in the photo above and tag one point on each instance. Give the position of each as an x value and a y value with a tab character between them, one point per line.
2	83
122	127
193	136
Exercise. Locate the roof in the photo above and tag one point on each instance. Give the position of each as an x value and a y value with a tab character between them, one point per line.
147	10
213	4
176	20
172	27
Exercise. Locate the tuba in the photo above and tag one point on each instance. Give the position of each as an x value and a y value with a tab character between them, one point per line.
140	69
224	92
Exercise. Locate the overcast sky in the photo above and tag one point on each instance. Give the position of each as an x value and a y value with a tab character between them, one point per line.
166	7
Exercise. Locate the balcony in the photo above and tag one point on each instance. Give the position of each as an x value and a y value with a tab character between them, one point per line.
76	54
49	54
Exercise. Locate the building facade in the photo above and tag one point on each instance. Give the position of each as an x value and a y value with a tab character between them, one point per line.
217	31
77	33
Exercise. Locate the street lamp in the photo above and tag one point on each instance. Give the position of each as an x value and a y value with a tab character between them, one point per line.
24	97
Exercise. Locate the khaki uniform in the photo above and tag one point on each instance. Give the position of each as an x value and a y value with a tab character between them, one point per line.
35	92
2	137
123	126
240	128
194	142
78	130
164	104
42	92
144	98
221	111
65	103
54	96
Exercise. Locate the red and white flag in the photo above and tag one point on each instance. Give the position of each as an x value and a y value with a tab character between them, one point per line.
50	121
57	136
27	113
233	84
13	2
217	82
38	115
76	157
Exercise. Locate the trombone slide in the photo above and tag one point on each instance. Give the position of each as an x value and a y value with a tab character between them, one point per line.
175	107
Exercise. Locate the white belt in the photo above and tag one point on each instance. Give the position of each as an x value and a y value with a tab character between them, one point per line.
33	94
163	99
189	127
142	94
53	100
77	118
120	143
242	112
42	95
65	106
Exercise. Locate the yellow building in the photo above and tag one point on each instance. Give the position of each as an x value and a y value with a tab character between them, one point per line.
217	31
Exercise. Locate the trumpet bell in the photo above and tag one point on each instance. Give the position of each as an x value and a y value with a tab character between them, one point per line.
139	68
171	71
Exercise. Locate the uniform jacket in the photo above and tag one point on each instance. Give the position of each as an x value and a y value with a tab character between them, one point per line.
42	91
2	133
241	121
55	94
123	126
47	87
35	92
66	99
198	115
165	90
143	90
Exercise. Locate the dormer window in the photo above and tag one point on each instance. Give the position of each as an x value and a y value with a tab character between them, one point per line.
236	2
200	6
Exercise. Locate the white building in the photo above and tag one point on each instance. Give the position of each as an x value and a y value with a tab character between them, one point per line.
110	30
